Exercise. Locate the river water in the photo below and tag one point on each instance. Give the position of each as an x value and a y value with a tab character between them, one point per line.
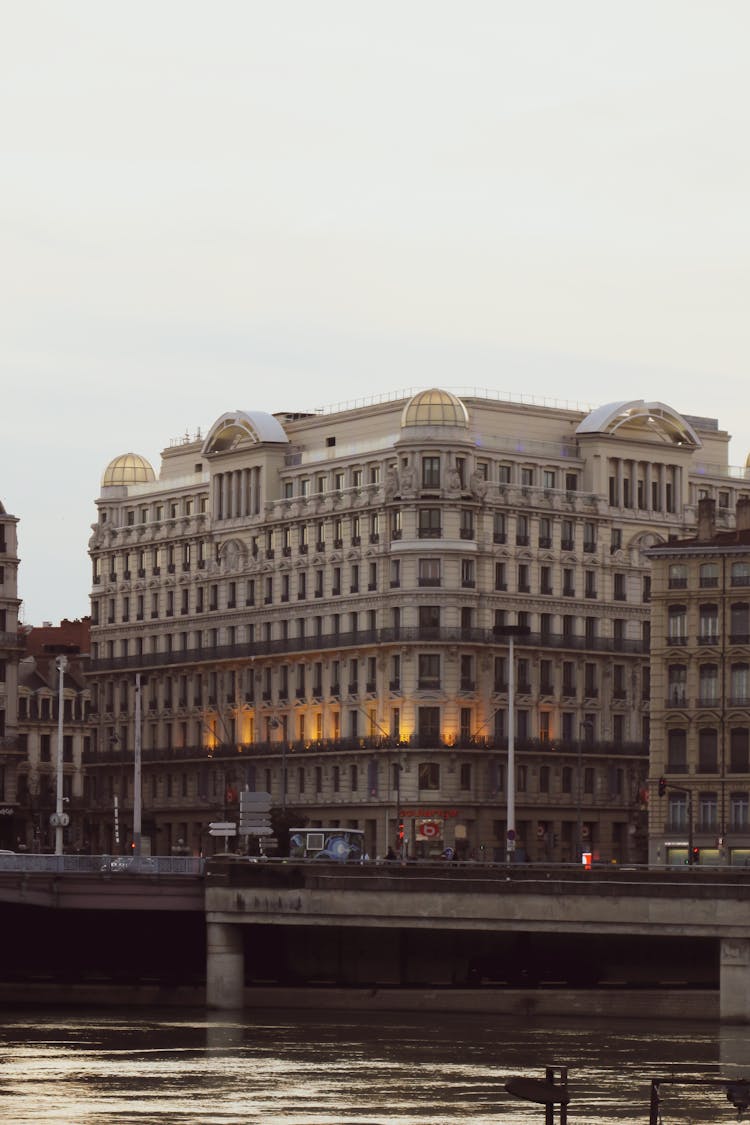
286	1068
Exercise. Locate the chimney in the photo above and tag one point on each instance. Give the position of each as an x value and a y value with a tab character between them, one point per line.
743	514
706	519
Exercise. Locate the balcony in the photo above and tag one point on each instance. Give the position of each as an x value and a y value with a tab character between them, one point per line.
589	547
116	755
429	581
567	544
467	533
394	685
739	638
391	635
708	583
320	546
547	590
568	592
356	540
499	537
468	685
522	540
430	533
545	542
678	583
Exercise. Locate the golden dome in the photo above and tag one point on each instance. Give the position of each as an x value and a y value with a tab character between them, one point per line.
129	468
435	408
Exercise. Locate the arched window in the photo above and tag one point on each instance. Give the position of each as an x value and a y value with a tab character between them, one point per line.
678	576
738	750
708	754
740	685
677	684
739	628
708	623
709	575
709	684
677	624
677	750
740	574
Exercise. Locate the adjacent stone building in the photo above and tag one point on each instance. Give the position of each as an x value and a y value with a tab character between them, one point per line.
9	655
310	604
700	731
38	729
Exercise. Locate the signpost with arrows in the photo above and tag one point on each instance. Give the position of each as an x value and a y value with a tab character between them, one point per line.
255	814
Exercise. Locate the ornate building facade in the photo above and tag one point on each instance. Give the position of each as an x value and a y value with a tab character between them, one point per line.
700	743
314	605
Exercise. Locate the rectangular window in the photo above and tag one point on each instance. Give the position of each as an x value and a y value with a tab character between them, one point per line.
430	472
429	671
429	523
429	572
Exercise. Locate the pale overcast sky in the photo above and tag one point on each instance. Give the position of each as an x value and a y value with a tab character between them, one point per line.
282	205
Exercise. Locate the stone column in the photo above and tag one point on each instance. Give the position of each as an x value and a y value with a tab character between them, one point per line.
225	965
734	1002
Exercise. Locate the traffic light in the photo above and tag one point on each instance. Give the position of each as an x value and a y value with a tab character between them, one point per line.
401	832
662	786
695	855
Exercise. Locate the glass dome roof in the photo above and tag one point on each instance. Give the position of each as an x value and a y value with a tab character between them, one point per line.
128	468
435	408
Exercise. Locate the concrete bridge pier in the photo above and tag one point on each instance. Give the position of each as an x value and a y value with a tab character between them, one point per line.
734	999
225	965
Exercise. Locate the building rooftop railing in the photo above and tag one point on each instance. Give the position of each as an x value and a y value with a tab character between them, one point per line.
363	639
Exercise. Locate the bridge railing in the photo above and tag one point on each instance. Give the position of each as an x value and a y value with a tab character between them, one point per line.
31	863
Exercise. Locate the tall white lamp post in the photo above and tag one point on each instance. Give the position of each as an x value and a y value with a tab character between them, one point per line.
511	632
137	769
60	819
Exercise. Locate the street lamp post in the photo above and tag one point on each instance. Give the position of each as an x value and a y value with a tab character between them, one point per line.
137	803
511	632
585	724
61	663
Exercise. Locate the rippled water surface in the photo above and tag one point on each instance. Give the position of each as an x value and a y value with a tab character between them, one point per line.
286	1068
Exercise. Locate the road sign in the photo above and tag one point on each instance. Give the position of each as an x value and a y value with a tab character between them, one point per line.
222	828
256	831
255	802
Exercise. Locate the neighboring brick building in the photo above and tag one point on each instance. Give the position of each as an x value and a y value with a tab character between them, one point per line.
38	700
9	655
700	703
